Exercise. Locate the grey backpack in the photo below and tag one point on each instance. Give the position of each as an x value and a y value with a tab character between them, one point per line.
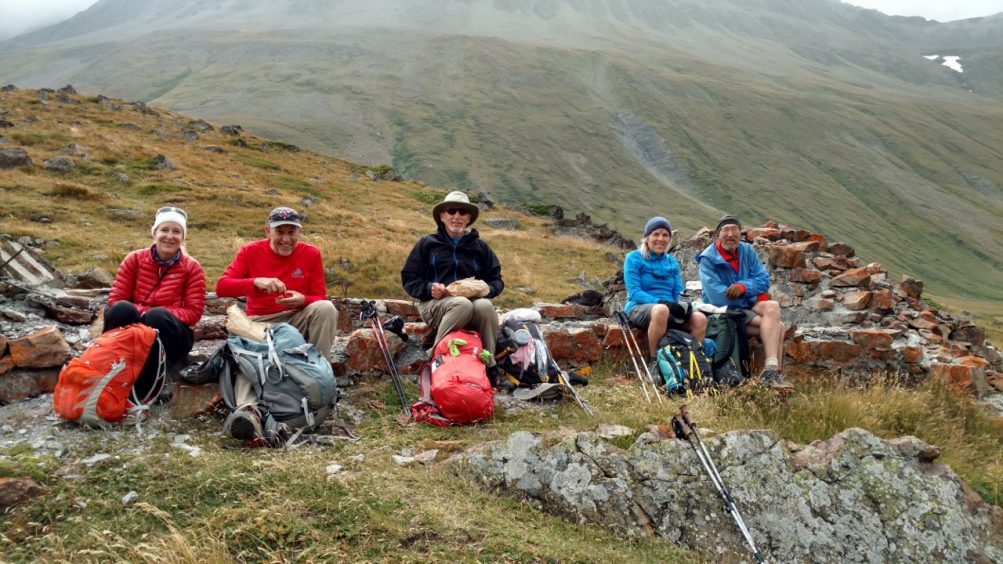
293	382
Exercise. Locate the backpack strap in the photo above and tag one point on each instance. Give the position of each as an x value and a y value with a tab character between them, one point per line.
159	379
273	359
89	416
425	409
744	358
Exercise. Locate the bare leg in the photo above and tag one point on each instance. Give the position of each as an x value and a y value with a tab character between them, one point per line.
768	327
656	327
697	326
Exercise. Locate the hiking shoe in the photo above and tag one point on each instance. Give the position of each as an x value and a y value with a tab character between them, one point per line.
773	380
576	380
505	385
654	370
244	424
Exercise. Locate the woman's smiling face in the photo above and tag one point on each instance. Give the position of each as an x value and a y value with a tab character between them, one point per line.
658	240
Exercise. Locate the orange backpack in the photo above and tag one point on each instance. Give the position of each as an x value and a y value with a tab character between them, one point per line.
101	387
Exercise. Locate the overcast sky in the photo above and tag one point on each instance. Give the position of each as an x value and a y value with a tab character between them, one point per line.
19	16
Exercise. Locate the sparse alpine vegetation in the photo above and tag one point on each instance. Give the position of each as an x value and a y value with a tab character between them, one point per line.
364	222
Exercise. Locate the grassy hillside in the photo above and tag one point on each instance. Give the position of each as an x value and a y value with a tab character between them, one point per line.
914	182
364	229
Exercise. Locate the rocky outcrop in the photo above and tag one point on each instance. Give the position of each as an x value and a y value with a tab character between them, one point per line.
853	498
583	226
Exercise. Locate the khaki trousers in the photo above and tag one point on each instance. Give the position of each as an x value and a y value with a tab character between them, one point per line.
452	313
317	322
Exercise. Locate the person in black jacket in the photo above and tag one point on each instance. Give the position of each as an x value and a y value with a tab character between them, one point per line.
453	253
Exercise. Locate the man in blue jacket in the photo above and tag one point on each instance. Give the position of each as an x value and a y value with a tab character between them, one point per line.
732	275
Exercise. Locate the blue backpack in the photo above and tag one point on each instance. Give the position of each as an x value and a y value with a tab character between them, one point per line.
293	382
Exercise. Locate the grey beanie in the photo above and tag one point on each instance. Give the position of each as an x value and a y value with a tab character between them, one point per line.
657	222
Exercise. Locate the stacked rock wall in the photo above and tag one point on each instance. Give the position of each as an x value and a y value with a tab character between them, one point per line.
846	315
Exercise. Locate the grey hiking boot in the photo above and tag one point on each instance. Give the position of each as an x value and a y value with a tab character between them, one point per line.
774	380
244	424
654	370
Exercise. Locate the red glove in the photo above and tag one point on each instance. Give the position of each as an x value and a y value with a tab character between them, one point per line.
734	291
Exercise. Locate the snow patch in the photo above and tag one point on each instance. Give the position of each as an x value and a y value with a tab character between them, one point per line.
953	63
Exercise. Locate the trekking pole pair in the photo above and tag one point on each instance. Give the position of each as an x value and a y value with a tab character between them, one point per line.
635	355
687	430
396	326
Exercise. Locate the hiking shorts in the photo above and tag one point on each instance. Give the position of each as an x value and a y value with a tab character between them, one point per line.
749	315
640	316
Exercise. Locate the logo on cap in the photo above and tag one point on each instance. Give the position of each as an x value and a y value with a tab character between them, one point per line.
284	216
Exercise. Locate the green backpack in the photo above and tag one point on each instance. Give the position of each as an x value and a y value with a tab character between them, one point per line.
730	362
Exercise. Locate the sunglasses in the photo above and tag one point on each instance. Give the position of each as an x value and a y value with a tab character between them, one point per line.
173	209
454	211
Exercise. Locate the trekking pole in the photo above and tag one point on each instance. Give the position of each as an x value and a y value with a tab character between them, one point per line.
687	430
369	312
628	338
564	380
630	351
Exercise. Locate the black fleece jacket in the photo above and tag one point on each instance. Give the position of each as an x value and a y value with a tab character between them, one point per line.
435	258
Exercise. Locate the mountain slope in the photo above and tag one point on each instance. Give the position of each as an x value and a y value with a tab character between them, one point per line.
816	112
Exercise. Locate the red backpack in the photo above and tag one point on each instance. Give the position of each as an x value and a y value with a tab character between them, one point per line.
453	387
101	387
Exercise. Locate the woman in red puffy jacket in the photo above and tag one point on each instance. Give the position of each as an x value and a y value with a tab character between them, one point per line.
160	286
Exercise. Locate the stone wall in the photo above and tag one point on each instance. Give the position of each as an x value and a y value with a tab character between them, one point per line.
844	315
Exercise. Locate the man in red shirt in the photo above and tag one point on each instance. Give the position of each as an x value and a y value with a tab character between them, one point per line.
283	280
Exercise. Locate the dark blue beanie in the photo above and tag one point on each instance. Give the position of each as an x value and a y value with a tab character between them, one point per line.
657	222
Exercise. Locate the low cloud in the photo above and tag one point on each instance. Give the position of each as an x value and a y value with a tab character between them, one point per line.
22	16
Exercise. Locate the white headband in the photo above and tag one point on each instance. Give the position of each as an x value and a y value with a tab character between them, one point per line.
164	217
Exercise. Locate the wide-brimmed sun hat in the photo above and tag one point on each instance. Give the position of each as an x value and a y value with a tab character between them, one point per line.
457	200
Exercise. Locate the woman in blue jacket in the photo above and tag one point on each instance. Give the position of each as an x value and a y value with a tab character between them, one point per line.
654	283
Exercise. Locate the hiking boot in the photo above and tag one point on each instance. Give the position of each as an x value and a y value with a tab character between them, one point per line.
773	380
654	370
576	380
244	424
494	375
428	341
505	385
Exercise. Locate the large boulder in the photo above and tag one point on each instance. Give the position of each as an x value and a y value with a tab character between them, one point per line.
853	498
13	158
